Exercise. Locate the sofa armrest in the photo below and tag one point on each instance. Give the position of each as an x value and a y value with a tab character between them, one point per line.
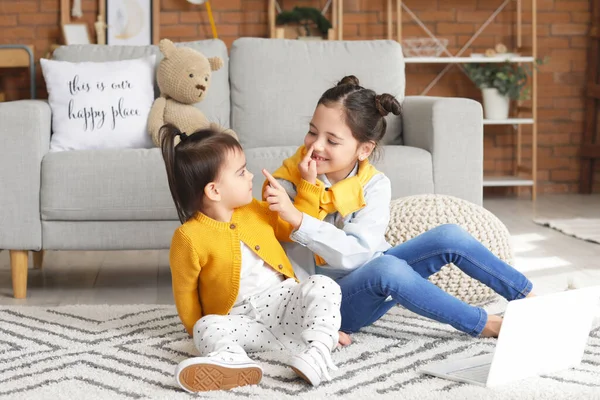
25	139
451	129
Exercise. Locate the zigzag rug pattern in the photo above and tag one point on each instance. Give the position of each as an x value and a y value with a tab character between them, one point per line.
130	352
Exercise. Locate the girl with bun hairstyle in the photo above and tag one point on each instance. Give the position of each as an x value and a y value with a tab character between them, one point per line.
342	235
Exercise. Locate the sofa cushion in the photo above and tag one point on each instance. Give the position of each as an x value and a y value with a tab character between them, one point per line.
108	235
410	169
105	185
216	107
131	184
275	84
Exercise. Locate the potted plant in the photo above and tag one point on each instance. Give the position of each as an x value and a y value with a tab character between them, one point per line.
500	82
313	24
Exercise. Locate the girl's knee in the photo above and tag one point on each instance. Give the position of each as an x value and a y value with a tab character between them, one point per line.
322	280
325	283
450	235
390	268
388	274
450	229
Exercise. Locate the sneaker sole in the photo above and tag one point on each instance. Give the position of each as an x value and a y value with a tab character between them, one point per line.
305	371
301	375
205	377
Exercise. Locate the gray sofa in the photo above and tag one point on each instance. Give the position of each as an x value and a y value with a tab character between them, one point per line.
267	91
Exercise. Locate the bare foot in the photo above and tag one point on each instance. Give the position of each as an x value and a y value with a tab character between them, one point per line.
531	294
492	326
344	339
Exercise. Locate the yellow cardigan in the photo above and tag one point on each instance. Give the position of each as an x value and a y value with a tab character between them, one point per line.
206	258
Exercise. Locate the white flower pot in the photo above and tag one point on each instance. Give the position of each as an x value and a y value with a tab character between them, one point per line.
495	106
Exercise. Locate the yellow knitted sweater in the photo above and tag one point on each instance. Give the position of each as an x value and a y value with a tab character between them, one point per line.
206	258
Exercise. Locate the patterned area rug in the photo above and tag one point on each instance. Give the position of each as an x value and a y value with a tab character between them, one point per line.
581	228
130	352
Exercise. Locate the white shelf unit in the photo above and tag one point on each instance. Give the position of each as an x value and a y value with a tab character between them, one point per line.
510	121
464	60
523	175
491	181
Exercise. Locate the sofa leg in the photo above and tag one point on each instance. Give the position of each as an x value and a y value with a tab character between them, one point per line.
18	266
38	259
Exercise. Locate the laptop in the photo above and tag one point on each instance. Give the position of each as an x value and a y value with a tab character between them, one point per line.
539	335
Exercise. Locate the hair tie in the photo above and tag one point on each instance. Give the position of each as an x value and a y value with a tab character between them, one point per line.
183	136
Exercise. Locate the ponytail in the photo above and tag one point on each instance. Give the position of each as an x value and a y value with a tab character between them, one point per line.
167	135
192	164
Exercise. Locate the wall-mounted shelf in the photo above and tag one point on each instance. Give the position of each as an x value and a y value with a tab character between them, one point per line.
464	60
490	181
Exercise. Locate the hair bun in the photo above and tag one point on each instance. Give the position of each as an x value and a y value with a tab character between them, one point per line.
349	80
386	103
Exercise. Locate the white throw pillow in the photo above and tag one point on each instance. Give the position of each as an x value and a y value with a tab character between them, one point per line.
100	105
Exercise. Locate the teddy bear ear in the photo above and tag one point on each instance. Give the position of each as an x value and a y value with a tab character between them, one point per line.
167	47
215	63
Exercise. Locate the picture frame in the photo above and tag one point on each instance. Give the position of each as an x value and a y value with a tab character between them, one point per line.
131	22
75	34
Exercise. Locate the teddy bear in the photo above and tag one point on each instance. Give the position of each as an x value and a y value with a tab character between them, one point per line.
183	77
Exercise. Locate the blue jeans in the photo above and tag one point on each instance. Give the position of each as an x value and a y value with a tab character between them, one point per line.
402	273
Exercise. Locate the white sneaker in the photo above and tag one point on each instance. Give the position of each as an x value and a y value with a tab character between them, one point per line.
313	363
220	371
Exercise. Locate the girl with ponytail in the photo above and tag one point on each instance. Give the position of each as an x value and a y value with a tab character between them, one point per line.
342	234
234	287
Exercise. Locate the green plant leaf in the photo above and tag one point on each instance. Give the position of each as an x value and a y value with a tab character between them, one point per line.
304	16
510	79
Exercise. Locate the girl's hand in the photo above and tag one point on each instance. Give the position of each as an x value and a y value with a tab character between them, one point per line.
308	167
279	201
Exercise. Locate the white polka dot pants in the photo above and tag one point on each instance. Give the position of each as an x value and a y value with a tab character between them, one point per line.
286	317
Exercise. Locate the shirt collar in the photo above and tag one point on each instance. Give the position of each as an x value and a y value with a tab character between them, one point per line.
328	184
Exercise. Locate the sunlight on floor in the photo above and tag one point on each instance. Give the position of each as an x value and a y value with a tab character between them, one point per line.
527	243
529	264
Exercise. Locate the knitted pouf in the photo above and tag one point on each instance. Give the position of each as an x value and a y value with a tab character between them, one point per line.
411	216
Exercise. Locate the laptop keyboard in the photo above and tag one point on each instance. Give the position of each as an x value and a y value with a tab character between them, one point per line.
477	373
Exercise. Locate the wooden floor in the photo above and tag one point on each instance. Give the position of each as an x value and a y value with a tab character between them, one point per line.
547	257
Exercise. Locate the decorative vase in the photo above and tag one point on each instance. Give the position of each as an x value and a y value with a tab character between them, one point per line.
495	105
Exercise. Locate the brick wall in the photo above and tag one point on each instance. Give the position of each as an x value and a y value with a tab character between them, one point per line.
561	31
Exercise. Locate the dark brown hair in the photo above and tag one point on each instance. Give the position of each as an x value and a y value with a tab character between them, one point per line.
364	110
192	164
